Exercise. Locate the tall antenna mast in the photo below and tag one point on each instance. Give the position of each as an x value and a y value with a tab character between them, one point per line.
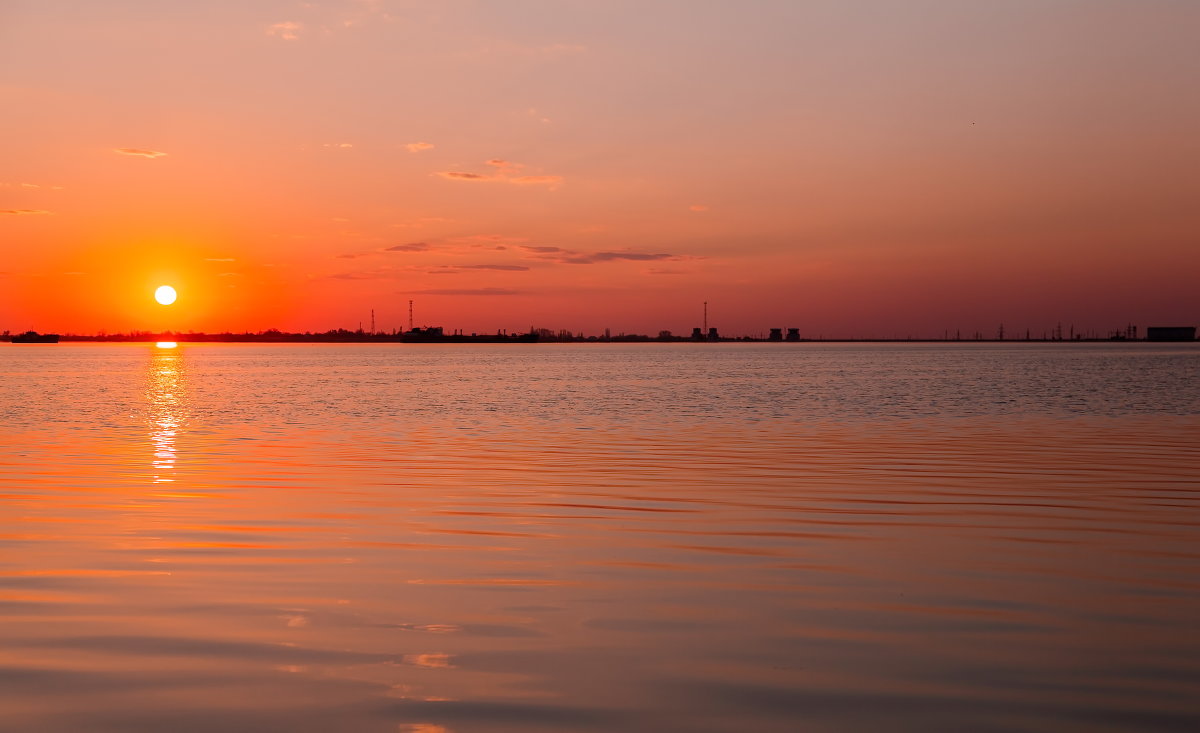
372	320
410	315
706	317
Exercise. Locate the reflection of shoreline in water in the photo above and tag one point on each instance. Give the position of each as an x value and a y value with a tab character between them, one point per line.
164	395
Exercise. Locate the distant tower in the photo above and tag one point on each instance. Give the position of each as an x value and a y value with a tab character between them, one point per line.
410	326
706	316
372	320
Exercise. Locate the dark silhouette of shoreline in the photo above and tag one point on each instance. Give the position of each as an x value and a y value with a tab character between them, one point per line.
435	335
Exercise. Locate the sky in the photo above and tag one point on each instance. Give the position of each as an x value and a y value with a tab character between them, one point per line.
848	168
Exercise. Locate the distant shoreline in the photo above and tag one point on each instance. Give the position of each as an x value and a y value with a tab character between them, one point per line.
367	338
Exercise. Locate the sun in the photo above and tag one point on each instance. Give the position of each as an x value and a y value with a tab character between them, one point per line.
165	295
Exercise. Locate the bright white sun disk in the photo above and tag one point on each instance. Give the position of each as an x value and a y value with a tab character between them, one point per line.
165	295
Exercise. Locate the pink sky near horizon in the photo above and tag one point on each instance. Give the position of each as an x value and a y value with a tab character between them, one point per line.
862	169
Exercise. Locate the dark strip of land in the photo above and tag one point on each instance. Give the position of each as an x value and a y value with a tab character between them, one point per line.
533	336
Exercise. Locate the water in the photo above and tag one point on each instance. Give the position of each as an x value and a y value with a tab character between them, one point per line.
691	537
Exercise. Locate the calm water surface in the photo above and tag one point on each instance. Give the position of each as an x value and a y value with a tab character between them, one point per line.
691	537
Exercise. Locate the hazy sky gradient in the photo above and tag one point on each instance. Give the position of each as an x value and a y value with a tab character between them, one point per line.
849	168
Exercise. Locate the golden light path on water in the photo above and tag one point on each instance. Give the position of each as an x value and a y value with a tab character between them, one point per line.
398	538
166	401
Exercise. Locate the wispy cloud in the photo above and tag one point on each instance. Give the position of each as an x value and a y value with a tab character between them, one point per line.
467	291
455	269
288	30
507	268
505	172
393	272
418	147
571	257
339	146
30	185
407	247
635	256
139	152
24	212
410	247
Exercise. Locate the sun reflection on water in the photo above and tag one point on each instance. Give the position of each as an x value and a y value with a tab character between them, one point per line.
165	395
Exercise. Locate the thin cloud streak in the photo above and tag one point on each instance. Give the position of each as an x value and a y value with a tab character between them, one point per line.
635	256
30	185
139	152
506	172
505	268
570	257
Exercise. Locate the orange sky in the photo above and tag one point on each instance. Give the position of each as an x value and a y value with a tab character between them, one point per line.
851	169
